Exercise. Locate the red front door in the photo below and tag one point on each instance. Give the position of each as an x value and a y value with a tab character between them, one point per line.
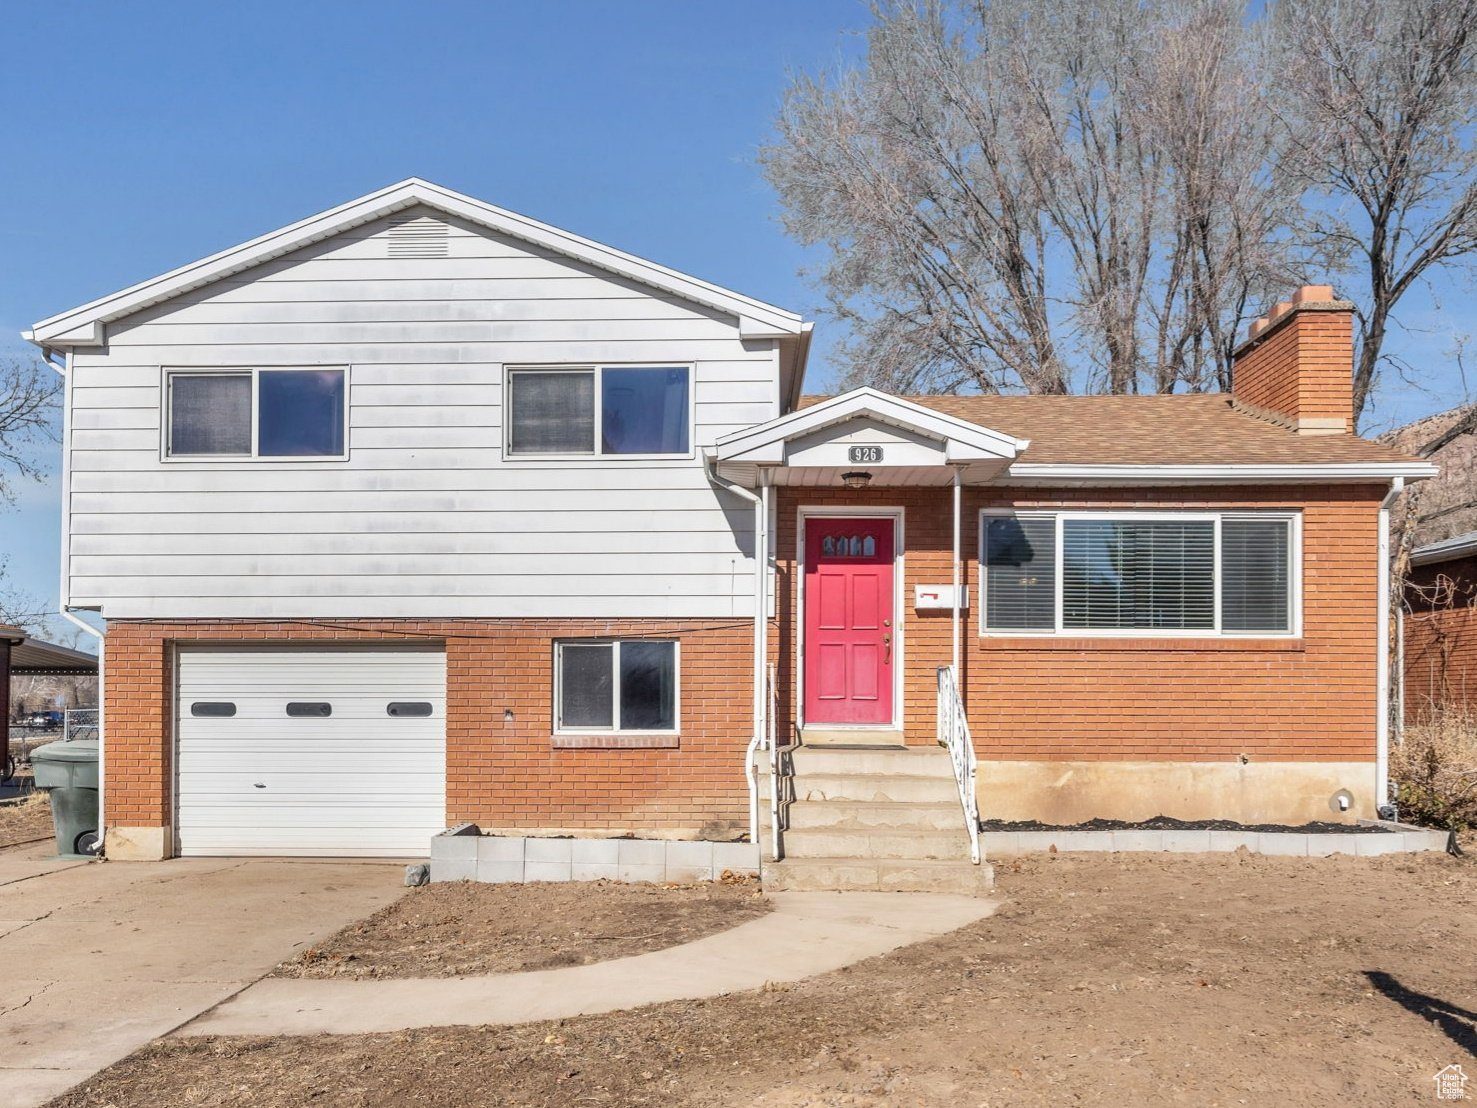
849	632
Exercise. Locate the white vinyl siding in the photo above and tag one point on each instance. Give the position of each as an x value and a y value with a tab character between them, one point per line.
255	778
426	517
1139	574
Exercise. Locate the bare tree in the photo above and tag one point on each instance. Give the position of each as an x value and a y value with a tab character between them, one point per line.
1381	98
29	394
19	608
1038	194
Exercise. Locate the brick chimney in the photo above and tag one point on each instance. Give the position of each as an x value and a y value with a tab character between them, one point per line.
1296	366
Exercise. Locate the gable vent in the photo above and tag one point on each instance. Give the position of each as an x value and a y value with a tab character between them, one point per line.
422	237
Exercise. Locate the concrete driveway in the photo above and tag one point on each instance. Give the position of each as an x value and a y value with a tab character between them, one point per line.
100	957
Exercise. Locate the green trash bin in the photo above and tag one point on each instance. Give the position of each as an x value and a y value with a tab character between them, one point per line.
68	771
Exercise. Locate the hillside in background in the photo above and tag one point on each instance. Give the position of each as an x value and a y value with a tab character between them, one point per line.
1447	505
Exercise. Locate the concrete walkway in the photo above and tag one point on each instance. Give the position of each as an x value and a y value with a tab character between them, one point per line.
806	934
100	958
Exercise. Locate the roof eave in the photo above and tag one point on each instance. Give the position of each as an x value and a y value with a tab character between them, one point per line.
84	325
1251	473
1448	550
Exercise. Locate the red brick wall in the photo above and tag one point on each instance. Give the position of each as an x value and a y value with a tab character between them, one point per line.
1309	699
498	773
1301	366
1441	638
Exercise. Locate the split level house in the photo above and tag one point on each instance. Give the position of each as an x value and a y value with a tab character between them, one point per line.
419	512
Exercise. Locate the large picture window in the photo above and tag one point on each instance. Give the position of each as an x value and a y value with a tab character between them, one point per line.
629	685
599	410
262	413
1085	573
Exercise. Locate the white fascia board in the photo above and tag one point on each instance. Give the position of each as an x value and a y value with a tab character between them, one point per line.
765	442
1459	546
1046	473
759	319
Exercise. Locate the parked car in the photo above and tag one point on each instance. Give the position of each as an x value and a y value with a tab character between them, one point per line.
46	720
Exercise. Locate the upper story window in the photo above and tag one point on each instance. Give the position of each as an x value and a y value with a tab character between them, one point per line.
256	413
599	410
1170	573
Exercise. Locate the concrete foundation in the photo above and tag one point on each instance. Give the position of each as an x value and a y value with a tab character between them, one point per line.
1252	792
139	844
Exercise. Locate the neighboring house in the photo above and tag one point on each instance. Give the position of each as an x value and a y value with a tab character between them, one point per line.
24	656
419	512
1440	636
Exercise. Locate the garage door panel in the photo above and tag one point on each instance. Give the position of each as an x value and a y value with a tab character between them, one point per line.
278	817
356	783
207	783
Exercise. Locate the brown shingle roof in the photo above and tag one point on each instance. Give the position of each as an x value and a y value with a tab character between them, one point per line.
1197	429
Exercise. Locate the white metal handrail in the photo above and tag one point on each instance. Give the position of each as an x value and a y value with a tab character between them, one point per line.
953	735
771	711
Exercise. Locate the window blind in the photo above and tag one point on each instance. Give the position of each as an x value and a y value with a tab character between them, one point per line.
1020	573
1255	583
1138	574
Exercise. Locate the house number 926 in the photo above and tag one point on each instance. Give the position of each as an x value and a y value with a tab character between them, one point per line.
864	454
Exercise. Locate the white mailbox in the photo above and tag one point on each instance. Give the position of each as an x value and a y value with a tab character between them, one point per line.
939	596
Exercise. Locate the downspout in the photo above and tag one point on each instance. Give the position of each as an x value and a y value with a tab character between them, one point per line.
1383	800
954	655
64	591
761	545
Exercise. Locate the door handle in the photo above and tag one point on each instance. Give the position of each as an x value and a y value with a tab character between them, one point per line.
887	642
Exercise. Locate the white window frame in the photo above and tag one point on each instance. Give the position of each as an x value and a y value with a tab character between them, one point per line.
254	372
598	370
615	686
1294	576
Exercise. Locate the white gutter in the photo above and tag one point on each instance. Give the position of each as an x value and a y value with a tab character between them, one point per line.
761	548
1458	547
955	651
1382	652
1044	472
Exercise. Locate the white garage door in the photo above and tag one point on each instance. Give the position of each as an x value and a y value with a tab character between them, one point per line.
330	753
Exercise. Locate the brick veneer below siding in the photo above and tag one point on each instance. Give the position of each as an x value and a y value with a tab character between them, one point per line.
1117	699
499	774
1029	699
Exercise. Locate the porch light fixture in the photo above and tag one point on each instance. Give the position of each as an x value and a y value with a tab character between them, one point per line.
856	479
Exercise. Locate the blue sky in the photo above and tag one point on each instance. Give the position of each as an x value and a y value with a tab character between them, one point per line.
171	130
139	137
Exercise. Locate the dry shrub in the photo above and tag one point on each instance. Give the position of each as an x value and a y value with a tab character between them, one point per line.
1436	769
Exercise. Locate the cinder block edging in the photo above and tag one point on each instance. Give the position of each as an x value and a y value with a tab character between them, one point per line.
463	853
1399	838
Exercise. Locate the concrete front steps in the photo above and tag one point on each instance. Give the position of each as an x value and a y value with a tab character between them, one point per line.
871	818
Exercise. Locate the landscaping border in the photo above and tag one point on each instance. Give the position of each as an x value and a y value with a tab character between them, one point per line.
464	853
1399	838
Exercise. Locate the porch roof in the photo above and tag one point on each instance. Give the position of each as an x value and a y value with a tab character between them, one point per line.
897	441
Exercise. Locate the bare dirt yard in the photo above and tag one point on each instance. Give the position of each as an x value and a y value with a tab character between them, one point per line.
26	821
1102	980
458	927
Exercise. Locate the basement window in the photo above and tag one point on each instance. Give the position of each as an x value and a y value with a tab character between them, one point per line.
1119	573
624	686
256	413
